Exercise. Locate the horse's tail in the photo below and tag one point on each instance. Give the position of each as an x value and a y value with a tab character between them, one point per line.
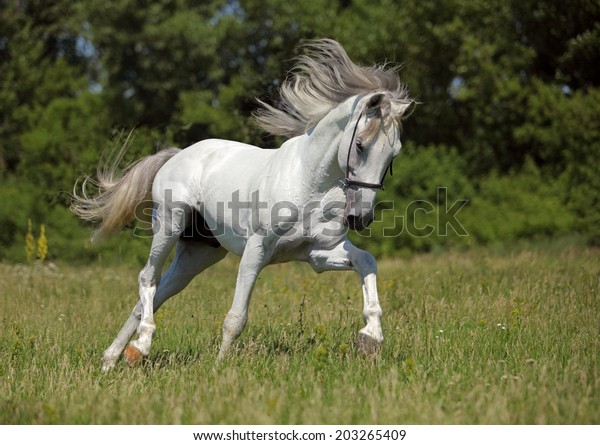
118	194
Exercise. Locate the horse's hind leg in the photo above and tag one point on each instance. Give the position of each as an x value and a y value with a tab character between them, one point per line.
112	354
148	281
190	259
168	225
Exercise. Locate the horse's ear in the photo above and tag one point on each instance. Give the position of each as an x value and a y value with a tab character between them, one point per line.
410	108
406	109
375	101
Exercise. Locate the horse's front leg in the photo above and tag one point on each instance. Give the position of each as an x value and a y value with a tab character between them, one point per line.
346	256
255	257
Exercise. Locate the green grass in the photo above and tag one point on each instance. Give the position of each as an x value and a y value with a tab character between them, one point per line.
473	337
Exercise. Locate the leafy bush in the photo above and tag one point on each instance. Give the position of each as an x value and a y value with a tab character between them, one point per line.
522	205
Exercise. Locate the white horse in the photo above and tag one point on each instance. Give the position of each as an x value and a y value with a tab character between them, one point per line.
267	206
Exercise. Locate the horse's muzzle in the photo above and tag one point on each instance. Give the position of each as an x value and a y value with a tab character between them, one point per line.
358	213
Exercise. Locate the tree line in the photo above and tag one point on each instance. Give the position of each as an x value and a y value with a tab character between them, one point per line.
508	116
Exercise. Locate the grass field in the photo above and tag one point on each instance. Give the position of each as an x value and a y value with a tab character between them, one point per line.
476	337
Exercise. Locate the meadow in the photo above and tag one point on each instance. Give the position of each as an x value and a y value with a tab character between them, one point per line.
475	337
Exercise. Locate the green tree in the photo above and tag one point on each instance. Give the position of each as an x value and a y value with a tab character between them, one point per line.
41	66
150	51
509	99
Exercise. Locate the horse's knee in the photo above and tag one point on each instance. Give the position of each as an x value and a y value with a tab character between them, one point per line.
364	262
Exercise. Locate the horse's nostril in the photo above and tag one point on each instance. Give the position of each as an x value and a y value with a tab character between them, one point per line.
358	223
350	221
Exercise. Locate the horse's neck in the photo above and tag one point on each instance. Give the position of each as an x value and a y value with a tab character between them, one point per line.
319	148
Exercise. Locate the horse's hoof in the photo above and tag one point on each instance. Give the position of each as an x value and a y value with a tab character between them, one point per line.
107	365
133	355
368	345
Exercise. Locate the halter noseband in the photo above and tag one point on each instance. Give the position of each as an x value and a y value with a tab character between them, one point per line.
347	182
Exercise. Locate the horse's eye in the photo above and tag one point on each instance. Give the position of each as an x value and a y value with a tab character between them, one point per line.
359	146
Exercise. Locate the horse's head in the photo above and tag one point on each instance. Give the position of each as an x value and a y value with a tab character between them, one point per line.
370	143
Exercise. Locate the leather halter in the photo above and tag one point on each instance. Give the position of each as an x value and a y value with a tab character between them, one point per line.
347	182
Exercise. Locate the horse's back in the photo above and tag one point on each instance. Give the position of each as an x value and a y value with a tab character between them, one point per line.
208	158
212	171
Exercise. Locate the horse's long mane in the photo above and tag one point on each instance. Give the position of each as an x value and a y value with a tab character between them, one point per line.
320	80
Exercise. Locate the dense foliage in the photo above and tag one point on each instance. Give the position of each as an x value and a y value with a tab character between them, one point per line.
509	92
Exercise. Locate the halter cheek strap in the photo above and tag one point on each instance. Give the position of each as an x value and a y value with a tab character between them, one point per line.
347	182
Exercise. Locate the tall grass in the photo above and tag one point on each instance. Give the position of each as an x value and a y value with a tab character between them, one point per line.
475	337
